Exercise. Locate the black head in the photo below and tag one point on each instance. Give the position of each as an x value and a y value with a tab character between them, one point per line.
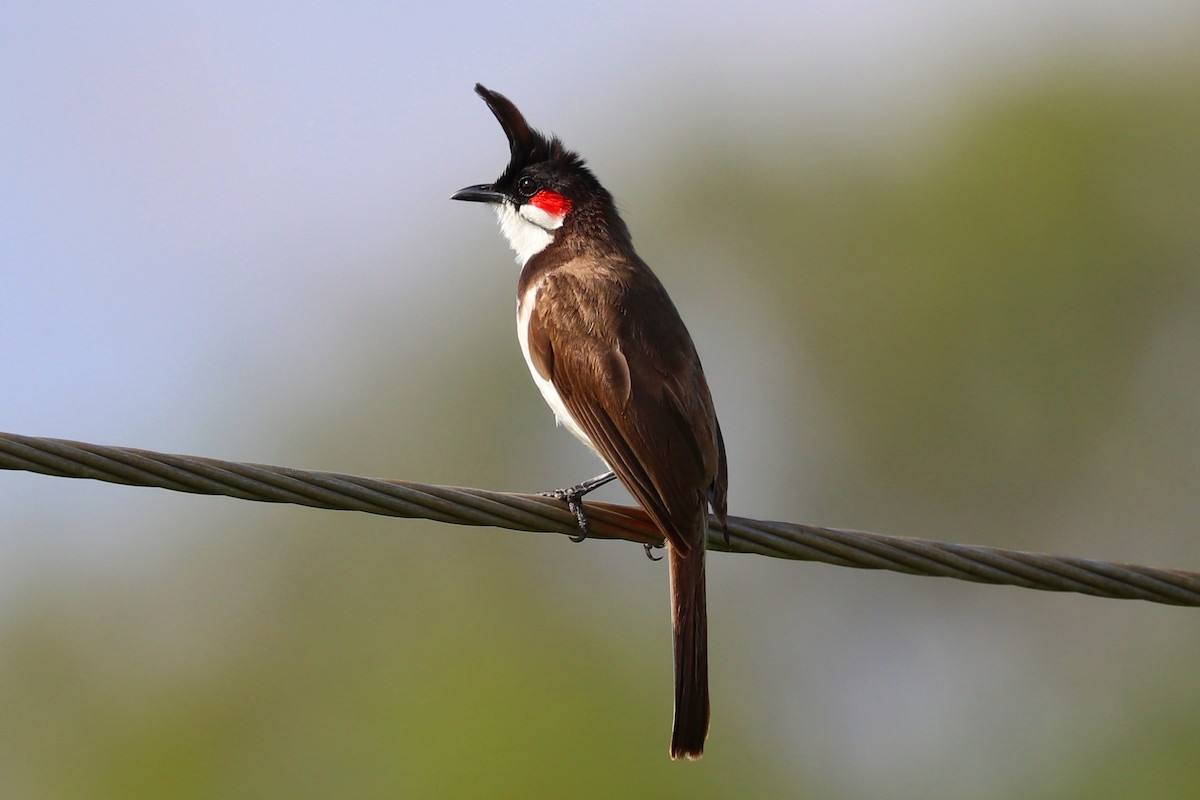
540	169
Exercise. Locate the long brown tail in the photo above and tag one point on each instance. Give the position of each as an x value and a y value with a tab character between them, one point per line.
689	619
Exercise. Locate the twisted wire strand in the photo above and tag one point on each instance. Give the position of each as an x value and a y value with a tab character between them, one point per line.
526	512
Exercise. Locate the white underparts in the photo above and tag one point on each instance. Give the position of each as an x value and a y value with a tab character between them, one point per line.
528	229
549	393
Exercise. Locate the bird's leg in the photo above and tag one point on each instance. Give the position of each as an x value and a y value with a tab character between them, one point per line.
650	555
573	497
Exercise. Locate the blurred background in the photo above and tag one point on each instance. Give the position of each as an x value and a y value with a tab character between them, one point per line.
942	263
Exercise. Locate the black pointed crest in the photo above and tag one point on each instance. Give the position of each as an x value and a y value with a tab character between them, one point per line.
525	145
531	152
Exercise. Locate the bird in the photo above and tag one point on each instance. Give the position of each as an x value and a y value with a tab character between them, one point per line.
615	362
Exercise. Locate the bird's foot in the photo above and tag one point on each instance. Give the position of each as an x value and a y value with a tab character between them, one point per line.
573	497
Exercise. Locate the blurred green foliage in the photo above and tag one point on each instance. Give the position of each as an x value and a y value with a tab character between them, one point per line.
977	306
365	664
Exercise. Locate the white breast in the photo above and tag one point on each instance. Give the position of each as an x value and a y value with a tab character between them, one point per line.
524	310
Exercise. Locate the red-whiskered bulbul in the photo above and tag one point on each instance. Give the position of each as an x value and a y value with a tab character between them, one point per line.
611	356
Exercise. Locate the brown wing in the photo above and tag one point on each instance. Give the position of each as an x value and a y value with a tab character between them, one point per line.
627	371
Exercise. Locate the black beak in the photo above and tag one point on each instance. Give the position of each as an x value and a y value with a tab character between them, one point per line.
482	193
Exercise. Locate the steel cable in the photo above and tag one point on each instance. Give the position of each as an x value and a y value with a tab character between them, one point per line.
526	512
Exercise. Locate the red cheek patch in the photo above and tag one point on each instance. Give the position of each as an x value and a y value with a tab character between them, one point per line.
552	203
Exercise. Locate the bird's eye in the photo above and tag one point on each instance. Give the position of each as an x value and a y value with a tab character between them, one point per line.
527	186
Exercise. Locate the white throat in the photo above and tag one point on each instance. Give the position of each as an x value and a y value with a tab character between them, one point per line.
528	229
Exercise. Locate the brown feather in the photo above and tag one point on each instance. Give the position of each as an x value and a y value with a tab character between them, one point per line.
646	408
541	352
607	336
